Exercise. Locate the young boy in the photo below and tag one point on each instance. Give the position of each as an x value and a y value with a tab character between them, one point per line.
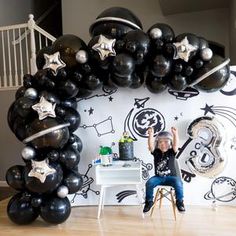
164	151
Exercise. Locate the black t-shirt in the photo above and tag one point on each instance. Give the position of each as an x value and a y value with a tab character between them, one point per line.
164	162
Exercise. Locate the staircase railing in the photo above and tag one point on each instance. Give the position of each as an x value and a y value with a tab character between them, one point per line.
19	45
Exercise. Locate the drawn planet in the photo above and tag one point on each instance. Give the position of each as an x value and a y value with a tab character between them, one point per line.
146	118
184	94
223	189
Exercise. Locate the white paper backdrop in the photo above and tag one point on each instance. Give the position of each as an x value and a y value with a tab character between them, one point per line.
106	114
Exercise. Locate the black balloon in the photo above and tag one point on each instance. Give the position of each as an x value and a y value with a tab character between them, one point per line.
51	182
75	142
69	157
178	82
20	92
40	61
20	210
36	201
67	89
55	210
23	106
155	84
73	181
15	177
161	66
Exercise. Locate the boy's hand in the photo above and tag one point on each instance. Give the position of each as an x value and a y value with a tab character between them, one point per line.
174	131
150	131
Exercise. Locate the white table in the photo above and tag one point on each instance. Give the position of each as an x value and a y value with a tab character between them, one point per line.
118	175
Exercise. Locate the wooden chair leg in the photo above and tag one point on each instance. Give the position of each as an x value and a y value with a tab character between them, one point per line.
161	196
155	202
173	203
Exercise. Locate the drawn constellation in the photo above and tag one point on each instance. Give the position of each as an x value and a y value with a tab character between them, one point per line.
102	128
86	187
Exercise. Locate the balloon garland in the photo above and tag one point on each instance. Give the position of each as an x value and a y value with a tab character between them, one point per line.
44	116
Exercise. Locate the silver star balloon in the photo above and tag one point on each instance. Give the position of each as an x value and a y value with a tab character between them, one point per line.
53	62
44	108
184	49
40	170
105	47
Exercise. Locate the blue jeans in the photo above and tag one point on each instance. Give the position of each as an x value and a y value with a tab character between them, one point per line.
173	181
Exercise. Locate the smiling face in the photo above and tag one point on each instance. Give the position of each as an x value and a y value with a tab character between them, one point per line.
163	144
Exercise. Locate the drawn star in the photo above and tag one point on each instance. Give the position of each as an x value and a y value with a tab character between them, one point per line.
140	102
44	109
181	113
110	98
53	62
90	111
105	47
176	118
207	109
40	170
184	49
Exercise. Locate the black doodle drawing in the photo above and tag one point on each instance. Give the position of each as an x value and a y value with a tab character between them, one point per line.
124	194
86	187
231	92
233	143
185	94
226	112
139	120
223	189
187	176
104	93
110	99
176	118
146	167
90	110
102	128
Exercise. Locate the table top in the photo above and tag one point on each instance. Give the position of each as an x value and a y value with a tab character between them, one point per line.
124	165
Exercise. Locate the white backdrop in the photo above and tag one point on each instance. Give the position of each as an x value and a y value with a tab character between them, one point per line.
106	114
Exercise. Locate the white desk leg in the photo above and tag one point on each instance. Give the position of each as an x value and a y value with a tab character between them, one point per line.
103	198
140	198
100	202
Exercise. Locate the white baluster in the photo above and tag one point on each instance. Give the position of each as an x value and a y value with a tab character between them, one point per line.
21	59
4	62
9	59
15	60
27	54
31	25
40	41
46	41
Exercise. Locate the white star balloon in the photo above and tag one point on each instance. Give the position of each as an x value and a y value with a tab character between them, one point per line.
44	108
40	170
184	49
53	62
105	47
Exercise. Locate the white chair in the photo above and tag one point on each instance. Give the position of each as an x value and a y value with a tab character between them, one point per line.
164	191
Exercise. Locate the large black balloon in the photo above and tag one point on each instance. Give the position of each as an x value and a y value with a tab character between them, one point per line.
68	45
20	210
75	142
69	157
15	177
67	89
161	66
23	106
40	61
155	84
216	80
51	182
55	210
73	181
20	92
54	139
115	22
19	128
178	82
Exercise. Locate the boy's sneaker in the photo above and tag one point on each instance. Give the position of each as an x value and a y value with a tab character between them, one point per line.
148	205
180	206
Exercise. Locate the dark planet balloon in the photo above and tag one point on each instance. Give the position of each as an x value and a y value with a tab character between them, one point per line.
20	210
67	89
155	84
178	82
115	22
68	45
69	157
161	66
73	181
15	177
55	210
40	61
19	128
51	182
215	80
75	142
11	116
52	139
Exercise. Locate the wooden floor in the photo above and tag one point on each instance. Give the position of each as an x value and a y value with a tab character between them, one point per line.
126	221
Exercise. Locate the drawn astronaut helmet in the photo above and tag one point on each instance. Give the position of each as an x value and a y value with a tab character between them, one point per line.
166	136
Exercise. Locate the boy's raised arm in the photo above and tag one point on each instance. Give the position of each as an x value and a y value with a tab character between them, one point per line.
175	143
151	139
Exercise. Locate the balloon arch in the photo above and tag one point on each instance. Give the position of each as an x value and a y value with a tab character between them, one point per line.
44	116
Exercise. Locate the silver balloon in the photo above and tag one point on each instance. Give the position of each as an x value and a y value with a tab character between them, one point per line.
28	153
212	159
31	93
155	33
81	56
206	54
62	191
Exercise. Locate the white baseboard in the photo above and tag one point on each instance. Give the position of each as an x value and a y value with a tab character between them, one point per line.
3	184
